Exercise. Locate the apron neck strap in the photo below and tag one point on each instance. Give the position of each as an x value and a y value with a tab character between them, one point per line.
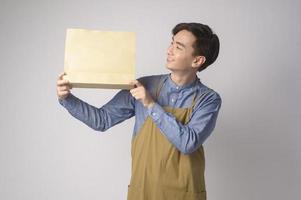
194	98
202	96
160	85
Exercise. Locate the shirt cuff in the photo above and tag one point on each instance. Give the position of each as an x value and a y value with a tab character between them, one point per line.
155	112
69	102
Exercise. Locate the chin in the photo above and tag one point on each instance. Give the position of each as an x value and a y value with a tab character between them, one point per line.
168	66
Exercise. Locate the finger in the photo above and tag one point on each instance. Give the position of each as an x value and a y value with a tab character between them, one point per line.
62	82
134	91
136	96
61	76
132	82
64	93
65	87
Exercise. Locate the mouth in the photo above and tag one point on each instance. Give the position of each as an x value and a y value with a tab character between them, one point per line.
169	59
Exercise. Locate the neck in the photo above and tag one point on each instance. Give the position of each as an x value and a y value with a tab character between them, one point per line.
183	78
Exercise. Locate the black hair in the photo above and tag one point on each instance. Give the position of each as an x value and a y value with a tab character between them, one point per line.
206	44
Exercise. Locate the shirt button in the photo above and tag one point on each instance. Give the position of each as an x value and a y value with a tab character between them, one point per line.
153	114
173	100
177	87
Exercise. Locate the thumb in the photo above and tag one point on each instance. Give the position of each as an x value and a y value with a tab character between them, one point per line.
138	84
61	76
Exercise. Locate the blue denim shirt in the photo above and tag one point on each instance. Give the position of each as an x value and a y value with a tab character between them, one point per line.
186	138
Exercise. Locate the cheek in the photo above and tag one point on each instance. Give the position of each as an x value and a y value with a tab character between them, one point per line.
180	56
184	58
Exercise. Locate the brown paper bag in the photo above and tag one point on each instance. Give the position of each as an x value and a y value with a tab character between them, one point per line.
99	59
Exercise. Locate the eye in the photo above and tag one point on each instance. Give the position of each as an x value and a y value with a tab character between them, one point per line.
179	48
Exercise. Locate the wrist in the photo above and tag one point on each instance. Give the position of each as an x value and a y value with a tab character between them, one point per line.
150	105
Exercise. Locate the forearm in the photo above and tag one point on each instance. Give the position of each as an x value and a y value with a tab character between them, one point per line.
88	114
186	138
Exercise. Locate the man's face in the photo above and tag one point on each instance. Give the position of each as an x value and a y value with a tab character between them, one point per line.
180	52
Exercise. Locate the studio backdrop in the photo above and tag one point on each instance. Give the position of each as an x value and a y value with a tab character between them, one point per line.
253	153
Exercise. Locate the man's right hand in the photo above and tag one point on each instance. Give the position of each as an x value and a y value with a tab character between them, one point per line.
63	87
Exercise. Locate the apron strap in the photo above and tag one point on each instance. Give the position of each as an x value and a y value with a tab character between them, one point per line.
160	85
196	99
195	93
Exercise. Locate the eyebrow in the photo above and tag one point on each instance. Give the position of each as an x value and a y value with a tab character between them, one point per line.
179	43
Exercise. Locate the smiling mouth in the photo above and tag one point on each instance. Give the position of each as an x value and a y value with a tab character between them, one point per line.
169	60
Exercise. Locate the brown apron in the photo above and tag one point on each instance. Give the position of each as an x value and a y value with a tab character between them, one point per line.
159	170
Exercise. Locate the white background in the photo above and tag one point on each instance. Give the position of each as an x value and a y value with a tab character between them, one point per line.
253	153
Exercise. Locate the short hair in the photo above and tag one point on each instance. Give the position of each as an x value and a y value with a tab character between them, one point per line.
206	44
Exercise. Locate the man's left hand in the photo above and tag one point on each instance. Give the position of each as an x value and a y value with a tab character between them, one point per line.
141	94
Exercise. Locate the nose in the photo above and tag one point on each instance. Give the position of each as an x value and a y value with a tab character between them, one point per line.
170	50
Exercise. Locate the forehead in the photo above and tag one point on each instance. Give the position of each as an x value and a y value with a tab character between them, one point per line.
185	37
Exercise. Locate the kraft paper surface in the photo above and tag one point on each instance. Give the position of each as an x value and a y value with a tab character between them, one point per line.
99	59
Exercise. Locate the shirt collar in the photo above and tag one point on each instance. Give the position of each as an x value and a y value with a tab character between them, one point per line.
174	86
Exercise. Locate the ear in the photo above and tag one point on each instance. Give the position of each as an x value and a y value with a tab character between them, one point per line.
198	61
